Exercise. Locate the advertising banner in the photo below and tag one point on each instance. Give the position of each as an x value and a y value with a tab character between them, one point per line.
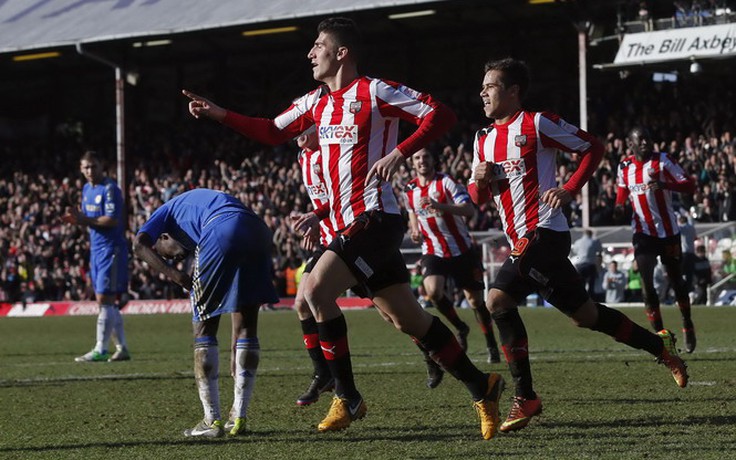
678	44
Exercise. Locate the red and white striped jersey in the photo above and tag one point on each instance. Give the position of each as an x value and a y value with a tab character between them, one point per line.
445	234
653	214
358	125
310	162
523	152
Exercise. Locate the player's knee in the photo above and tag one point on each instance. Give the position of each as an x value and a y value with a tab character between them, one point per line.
302	307
498	301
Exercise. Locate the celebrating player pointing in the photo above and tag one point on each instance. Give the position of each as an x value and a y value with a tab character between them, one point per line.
357	123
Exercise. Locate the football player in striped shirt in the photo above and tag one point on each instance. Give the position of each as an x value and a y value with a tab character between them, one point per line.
514	164
646	179
438	207
357	121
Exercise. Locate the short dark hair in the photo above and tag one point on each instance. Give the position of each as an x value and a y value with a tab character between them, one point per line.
344	31
91	156
513	72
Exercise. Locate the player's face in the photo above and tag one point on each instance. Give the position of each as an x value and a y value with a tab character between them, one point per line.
323	57
168	248
497	99
639	143
91	170
423	162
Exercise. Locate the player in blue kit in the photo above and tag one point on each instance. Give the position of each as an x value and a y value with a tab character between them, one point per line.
103	213
232	273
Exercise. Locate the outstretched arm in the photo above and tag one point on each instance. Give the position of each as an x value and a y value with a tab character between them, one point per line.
262	130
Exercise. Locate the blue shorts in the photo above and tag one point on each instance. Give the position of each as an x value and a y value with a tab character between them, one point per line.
109	269
232	266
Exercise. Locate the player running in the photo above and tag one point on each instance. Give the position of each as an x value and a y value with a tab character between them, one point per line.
437	207
647	179
514	163
357	121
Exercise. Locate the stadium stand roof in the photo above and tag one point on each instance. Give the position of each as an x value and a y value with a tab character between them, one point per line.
36	24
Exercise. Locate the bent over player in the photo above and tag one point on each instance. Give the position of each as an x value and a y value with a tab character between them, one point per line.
232	274
514	163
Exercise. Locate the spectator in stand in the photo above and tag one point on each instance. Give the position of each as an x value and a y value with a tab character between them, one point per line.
614	283
585	251
633	286
703	276
688	235
728	265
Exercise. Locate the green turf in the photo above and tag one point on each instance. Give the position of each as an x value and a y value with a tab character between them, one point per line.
602	399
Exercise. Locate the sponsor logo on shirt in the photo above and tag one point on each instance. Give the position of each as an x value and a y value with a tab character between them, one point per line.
509	168
317	191
338	134
638	189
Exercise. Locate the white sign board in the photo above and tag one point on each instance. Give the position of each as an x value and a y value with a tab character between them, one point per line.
674	44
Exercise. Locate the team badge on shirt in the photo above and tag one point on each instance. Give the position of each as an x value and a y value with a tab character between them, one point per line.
520	140
355	107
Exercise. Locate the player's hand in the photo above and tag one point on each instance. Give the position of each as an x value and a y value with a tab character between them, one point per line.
200	106
556	197
416	236
71	216
618	213
304	224
183	279
655	185
483	174
386	167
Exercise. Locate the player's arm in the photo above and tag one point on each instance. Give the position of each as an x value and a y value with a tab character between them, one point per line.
482	174
460	205
622	195
263	130
557	133
143	249
675	178
433	119
77	217
459	209
414	233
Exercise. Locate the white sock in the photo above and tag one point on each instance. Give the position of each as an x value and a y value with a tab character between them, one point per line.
206	372
104	327
247	355
118	328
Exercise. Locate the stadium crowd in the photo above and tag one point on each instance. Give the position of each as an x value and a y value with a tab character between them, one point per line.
43	259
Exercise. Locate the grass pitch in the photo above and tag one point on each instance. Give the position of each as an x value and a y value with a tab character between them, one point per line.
601	399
